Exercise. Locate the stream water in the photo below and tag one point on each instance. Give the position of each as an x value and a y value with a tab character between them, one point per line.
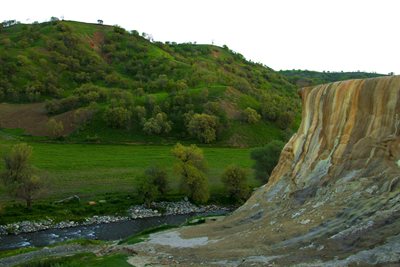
108	231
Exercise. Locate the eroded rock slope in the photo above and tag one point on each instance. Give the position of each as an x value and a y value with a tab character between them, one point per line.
332	200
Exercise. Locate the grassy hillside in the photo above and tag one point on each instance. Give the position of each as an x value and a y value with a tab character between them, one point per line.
110	92
303	78
120	80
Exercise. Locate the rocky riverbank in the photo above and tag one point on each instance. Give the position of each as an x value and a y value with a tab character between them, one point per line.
135	212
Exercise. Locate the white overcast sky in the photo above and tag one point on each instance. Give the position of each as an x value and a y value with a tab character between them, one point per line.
332	35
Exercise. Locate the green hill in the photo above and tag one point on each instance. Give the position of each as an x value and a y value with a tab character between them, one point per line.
109	85
303	78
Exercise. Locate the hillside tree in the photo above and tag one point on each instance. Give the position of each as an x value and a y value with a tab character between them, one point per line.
204	127
250	115
158	124
117	117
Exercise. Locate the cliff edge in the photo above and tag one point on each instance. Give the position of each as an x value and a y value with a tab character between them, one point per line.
332	200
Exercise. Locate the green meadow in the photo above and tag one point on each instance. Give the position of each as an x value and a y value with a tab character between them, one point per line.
102	171
89	169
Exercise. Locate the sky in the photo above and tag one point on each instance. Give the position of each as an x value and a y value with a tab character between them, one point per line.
330	35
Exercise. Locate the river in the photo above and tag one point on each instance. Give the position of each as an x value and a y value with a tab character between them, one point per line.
106	231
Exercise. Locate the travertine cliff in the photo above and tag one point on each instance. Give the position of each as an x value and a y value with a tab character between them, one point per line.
332	200
349	130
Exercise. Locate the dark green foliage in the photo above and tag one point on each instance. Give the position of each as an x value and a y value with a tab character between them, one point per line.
204	127
234	179
303	78
214	108
139	114
250	115
118	29
147	191
285	120
121	98
159	124
266	159
280	110
88	93
152	185
159	177
117	117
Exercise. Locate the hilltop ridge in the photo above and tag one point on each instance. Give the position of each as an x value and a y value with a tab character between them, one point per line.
304	78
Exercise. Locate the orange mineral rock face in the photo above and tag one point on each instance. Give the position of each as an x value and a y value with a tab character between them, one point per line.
350	126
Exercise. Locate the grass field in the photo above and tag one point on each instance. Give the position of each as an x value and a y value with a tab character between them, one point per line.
91	169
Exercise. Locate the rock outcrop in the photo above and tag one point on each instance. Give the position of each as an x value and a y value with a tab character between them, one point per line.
332	200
